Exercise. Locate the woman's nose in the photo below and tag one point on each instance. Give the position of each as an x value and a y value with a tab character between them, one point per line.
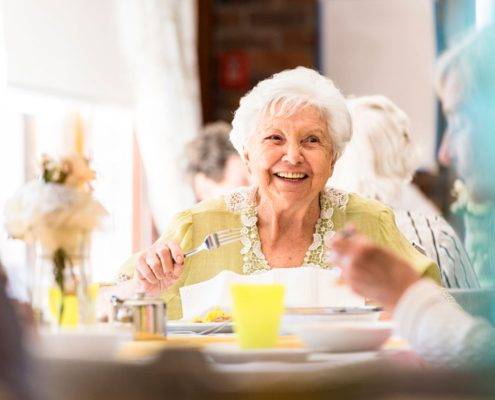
293	154
445	151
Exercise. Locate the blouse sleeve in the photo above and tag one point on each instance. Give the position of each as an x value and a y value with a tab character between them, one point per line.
390	237
440	331
180	230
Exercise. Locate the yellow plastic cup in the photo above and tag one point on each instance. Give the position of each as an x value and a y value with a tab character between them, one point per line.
257	310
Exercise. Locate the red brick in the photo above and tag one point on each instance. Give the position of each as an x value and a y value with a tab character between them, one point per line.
296	39
227	17
277	18
245	39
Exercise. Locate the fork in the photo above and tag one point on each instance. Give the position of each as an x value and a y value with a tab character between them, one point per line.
215	240
216	329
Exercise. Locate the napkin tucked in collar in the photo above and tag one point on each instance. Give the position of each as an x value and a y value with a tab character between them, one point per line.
304	287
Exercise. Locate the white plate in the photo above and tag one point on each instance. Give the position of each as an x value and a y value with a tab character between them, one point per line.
228	353
199	327
342	336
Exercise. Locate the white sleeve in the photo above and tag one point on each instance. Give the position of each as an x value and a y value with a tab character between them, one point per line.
440	331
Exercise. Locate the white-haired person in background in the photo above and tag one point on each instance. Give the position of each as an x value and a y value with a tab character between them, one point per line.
289	130
436	327
379	163
381	159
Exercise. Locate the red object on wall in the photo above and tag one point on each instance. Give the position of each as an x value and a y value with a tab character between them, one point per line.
233	70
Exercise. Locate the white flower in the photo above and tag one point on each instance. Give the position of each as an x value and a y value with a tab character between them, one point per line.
38	207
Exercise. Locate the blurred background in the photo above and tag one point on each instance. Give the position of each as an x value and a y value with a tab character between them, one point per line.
138	78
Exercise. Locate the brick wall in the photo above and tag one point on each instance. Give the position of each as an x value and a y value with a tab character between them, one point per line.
269	35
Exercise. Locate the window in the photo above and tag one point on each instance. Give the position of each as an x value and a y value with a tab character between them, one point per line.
38	124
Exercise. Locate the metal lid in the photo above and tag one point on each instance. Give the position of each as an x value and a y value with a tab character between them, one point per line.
140	300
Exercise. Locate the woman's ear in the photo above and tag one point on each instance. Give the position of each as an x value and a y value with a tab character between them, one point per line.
245	158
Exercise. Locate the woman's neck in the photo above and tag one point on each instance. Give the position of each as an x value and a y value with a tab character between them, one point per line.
277	220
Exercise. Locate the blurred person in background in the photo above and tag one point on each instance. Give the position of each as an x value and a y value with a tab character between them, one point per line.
213	165
379	163
466	86
382	157
436	327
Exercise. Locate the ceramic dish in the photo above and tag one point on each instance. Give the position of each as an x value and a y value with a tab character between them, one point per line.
330	314
342	336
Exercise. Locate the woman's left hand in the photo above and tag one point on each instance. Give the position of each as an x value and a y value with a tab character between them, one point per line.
370	270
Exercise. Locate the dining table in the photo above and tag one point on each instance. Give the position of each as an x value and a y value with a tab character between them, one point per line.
185	366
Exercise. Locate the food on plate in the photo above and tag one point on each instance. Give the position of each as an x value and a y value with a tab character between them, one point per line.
214	315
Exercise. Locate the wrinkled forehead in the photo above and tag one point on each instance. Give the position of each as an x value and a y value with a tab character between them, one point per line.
296	114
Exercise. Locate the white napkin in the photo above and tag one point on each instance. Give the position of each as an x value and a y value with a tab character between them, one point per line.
304	287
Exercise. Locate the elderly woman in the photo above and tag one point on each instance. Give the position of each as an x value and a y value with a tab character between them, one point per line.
290	130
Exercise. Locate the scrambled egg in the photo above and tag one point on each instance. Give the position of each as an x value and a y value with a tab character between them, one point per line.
214	315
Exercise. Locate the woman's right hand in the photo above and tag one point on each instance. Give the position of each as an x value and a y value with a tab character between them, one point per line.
371	271
159	267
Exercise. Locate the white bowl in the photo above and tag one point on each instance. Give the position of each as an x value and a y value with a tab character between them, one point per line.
94	343
342	336
293	319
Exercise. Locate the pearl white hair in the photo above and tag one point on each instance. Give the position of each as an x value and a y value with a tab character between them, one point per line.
381	150
286	93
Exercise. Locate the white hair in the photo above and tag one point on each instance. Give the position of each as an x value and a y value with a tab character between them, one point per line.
381	149
286	93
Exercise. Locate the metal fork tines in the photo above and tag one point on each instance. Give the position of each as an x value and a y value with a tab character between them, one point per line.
216	240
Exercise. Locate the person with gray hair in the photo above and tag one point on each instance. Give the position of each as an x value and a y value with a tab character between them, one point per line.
289	130
213	165
379	163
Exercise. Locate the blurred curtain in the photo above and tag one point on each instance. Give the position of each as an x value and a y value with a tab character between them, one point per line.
159	40
3	65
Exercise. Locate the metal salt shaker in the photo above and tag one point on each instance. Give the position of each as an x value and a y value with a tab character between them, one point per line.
147	315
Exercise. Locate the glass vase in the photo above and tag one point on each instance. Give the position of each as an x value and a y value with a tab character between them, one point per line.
62	279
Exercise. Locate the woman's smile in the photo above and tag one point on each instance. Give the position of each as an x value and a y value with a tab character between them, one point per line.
291	178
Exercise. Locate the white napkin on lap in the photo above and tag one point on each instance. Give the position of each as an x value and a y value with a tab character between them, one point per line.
304	287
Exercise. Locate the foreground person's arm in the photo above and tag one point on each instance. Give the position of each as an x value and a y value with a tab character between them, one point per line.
440	330
436	327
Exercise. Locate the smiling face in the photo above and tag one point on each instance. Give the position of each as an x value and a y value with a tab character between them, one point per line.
291	157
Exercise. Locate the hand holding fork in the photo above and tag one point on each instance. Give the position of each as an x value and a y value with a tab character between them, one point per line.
162	264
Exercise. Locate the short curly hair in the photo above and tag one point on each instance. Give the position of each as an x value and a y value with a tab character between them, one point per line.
287	92
209	152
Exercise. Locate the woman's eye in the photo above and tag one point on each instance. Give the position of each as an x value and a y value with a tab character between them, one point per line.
312	139
274	138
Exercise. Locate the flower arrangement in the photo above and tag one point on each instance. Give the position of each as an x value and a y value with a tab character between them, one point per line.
54	210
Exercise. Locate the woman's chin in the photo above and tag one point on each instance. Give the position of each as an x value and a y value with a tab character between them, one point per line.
293	190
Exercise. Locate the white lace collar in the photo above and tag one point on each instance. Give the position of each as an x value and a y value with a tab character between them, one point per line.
243	201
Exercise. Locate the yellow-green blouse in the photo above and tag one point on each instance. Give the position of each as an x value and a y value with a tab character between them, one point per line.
238	210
